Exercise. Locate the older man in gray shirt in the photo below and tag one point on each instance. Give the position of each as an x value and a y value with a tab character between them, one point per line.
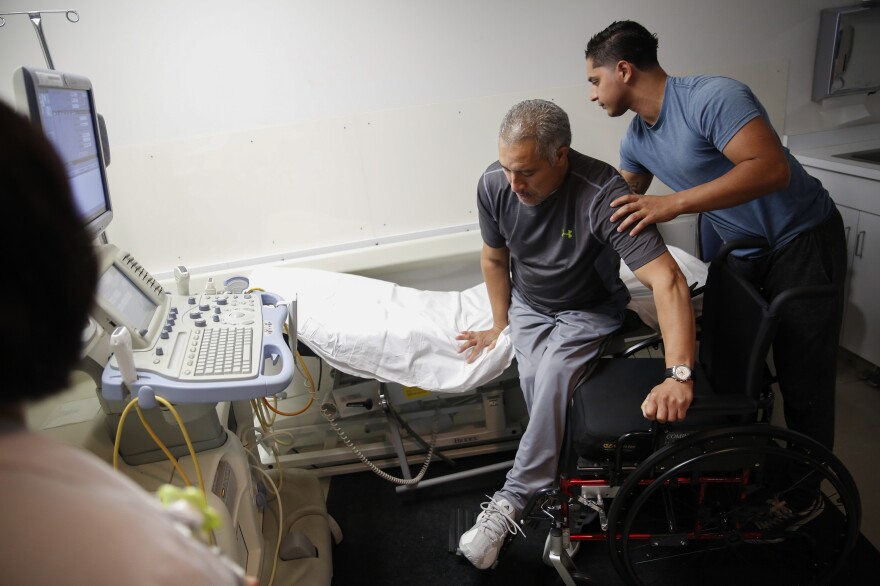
550	260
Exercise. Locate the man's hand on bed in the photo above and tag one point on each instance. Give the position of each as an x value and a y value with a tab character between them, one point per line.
477	341
668	401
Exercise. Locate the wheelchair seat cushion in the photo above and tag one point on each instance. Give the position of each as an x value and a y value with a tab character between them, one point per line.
607	405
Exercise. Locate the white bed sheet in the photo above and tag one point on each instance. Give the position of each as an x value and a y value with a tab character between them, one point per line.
380	330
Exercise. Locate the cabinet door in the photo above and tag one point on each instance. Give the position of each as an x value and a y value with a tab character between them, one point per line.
861	326
850	226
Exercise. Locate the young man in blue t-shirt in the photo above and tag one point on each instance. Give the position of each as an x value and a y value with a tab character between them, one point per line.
709	139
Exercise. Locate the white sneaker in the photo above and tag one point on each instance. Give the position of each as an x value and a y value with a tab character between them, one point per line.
481	543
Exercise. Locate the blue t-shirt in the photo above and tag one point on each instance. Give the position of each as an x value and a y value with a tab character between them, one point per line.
565	252
683	149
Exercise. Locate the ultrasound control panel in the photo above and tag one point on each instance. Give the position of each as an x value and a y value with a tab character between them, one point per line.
209	338
191	348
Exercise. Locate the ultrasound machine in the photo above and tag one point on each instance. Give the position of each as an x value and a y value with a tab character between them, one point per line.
206	354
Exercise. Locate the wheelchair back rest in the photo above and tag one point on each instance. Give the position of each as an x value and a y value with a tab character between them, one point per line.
737	329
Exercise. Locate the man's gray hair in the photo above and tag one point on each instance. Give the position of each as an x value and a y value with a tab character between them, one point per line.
539	120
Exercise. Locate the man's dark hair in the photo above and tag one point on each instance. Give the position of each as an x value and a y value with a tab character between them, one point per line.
49	262
624	40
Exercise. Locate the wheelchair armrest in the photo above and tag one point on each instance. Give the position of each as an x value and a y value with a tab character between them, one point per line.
727	404
651	341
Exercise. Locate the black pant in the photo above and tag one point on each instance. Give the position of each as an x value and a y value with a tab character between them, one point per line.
806	344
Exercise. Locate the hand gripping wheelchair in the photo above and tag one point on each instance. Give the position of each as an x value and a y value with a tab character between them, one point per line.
689	500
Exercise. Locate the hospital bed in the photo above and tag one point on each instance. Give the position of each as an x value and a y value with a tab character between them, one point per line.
399	388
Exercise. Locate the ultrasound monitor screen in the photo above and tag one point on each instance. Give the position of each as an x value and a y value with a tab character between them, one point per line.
67	122
63	106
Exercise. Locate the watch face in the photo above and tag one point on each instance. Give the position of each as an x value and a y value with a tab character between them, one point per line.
681	372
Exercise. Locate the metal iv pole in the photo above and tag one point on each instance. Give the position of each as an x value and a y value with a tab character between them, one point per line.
37	20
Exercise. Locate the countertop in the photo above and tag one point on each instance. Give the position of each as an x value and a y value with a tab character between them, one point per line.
819	149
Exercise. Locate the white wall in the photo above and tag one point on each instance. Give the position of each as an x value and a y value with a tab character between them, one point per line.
273	128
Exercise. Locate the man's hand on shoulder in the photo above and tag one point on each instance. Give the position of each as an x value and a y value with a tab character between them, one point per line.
637	212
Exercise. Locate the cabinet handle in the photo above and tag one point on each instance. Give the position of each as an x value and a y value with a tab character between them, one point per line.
860	243
846	231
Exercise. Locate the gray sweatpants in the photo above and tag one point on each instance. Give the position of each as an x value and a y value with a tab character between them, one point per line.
552	353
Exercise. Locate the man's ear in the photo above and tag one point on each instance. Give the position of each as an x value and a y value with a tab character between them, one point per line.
561	155
624	71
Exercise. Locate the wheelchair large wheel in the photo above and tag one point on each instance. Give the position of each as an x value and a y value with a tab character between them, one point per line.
693	511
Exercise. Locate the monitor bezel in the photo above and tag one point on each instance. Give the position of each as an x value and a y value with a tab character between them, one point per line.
28	82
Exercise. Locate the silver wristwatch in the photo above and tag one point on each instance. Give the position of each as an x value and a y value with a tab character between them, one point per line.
680	372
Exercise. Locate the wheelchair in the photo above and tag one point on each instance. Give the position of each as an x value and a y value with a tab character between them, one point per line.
683	501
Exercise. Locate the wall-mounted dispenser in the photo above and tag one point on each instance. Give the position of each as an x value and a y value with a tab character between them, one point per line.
847	51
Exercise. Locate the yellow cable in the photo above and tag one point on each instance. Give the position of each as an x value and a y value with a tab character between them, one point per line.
258	464
189	445
162	446
255	405
311	393
269	416
118	439
134	404
308	374
266	428
285	413
277	490
277	435
265	404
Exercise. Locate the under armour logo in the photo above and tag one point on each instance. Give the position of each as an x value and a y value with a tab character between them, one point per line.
566	233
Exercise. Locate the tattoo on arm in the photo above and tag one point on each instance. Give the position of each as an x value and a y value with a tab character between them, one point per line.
638	185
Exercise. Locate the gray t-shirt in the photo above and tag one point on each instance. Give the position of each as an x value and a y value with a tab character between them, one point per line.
683	149
565	252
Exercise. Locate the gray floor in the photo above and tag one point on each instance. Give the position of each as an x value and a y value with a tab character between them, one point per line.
856	438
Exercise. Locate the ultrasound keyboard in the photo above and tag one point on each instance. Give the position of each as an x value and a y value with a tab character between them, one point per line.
211	348
223	352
